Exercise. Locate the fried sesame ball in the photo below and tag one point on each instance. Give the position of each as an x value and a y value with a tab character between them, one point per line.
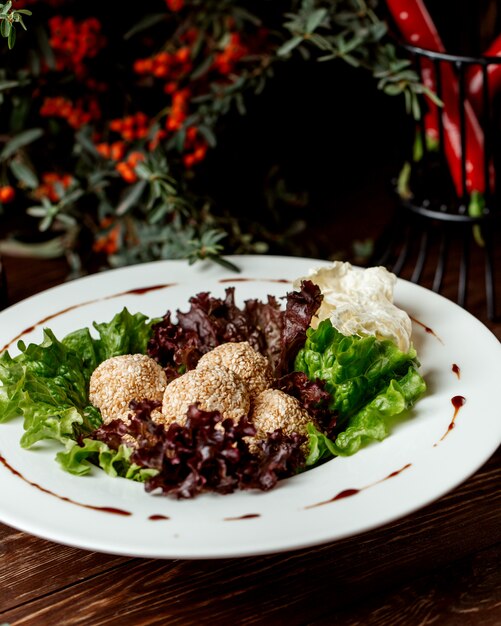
274	409
117	381
240	357
214	388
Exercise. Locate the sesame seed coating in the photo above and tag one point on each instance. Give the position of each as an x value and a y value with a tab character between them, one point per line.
215	388
274	409
117	381
240	357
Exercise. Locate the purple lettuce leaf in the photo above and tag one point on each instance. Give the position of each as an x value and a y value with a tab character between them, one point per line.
201	456
276	333
312	396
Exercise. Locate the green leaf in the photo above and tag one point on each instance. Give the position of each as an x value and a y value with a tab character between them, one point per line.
130	197
240	102
289	45
393	90
208	135
5	27
146	22
11	39
46	48
84	140
24	174
19	141
370	422
47	384
246	15
80	459
362	375
203	68
314	19
125	334
8	84
320	446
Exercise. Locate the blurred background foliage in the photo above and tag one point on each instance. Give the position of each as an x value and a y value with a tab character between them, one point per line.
191	128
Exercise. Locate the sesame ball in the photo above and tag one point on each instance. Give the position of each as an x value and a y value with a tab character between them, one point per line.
117	381
240	357
214	388
274	409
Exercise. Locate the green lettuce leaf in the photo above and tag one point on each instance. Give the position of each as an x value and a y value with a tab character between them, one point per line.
369	380
48	383
45	385
79	460
354	368
321	447
125	334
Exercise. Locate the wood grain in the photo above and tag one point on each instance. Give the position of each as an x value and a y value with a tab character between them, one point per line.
26	562
297	587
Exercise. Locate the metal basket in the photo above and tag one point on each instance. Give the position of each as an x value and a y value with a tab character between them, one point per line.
432	234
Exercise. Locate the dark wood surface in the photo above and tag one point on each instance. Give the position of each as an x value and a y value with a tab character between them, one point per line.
440	565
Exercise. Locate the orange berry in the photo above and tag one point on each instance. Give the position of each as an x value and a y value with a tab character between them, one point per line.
104	150
191	133
134	158
170	87
139	66
189	160
128	135
117	150
7	194
183	54
141	118
200	153
127	123
161	71
116	125
175	5
180	97
163	58
174	122
126	172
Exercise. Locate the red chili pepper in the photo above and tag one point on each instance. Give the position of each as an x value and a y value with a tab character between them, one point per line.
475	78
418	29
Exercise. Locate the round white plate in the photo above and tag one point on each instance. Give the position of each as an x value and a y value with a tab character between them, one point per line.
413	466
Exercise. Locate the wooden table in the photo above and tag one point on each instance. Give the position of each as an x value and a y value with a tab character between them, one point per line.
440	565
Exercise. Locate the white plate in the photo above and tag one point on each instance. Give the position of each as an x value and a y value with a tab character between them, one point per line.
250	523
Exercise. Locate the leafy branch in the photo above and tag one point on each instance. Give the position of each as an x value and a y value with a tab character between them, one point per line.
350	30
9	18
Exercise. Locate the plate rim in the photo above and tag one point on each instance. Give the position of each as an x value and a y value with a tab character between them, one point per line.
301	544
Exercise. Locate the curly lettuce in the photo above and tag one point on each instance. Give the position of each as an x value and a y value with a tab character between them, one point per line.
47	383
369	381
80	458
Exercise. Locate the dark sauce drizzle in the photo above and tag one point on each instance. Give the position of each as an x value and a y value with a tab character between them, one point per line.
140	291
247	516
457	403
157	517
103	509
429	330
256	280
455	368
347	493
137	292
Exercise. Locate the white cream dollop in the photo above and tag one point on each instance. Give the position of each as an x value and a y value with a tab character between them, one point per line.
360	302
